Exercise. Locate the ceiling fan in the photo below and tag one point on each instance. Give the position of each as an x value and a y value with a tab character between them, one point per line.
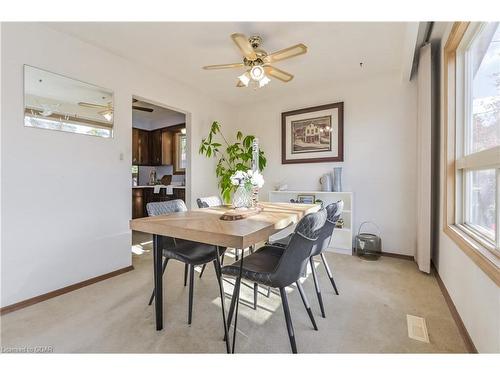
107	110
258	61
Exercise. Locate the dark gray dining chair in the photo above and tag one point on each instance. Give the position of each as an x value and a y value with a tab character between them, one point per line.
188	252
279	267
333	213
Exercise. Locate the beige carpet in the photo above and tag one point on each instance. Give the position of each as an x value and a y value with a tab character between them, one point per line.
369	315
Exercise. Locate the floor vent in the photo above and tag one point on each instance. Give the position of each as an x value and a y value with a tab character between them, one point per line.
417	329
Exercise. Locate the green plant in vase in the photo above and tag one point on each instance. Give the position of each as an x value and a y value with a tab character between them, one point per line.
232	157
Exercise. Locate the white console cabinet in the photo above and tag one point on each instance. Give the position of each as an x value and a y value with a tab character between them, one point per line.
342	237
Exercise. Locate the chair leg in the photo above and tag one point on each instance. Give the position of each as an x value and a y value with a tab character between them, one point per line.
268	291
191	289
288	319
316	285
222	260
162	272
202	270
306	304
185	274
255	294
323	258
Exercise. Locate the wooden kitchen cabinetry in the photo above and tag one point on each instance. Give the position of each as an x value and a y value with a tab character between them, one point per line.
155	141
138	203
142	196
140	147
153	147
180	193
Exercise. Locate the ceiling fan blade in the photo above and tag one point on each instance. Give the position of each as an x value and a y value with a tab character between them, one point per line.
298	49
144	109
223	66
91	105
244	45
278	74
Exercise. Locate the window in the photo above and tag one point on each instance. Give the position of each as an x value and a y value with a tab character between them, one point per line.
180	153
35	121
478	143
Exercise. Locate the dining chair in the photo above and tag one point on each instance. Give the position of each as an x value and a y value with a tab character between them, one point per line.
188	252
333	212
205	202
279	267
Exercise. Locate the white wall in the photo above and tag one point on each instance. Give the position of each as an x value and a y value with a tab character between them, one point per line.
475	295
66	198
379	151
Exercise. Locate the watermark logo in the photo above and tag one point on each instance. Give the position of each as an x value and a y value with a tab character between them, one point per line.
27	349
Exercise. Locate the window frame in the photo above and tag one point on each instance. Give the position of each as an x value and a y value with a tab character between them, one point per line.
457	161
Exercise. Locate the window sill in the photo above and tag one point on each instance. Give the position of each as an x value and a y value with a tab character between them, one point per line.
480	255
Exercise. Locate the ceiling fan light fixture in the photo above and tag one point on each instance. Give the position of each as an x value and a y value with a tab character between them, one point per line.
244	78
264	81
257	73
108	115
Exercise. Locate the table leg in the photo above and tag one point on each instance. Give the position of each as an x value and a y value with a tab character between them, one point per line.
222	298
237	291
158	280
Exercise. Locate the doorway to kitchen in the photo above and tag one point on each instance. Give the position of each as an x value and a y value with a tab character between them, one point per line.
159	155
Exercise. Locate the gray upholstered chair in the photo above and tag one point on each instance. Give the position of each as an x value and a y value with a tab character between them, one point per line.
205	202
212	201
280	267
188	252
333	212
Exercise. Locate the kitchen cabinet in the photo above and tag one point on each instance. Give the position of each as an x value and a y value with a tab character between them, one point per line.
138	205
161	147
155	142
180	193
140	147
135	146
152	147
166	147
142	196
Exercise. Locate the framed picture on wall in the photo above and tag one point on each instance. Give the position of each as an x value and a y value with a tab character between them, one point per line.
313	135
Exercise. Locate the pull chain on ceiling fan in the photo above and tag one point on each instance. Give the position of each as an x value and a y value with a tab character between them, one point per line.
258	61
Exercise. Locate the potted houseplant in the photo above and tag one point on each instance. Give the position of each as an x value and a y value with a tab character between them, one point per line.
232	158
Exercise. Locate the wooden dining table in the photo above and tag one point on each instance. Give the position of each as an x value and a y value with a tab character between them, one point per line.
205	225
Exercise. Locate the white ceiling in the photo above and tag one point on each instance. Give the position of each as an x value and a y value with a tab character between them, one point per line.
159	118
179	50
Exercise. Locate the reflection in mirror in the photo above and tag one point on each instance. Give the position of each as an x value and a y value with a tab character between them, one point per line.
55	102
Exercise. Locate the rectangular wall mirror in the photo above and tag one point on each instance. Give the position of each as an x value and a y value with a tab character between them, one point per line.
56	102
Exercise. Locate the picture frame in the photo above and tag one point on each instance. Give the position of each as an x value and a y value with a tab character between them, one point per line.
313	135
306	198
